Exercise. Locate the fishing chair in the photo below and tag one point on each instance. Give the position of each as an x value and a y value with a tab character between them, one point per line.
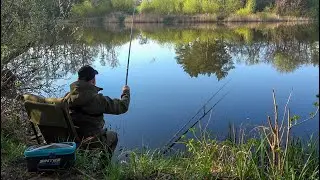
51	116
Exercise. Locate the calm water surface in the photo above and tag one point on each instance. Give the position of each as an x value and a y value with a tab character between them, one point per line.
173	71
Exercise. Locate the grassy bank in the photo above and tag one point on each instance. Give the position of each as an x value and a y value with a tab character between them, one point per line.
271	152
205	158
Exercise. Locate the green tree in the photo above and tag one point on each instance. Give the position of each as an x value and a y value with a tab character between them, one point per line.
249	8
84	9
123	5
230	6
146	7
210	6
192	6
23	24
263	4
291	7
103	7
178	6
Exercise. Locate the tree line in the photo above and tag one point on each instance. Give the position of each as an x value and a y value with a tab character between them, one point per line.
218	7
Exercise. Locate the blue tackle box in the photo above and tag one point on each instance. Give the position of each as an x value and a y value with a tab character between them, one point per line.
50	157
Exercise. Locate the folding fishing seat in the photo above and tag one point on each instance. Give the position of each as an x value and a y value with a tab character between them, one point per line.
51	116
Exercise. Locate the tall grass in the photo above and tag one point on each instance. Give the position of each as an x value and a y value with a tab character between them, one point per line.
208	159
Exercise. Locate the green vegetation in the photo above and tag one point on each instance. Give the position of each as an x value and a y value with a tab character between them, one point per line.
204	158
189	6
11	150
249	8
227	7
89	8
208	159
221	9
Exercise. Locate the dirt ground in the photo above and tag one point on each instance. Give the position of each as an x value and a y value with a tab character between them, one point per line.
18	170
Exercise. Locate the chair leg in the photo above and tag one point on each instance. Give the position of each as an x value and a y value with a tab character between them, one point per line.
35	132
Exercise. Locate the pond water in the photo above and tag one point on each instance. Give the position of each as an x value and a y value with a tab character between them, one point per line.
175	70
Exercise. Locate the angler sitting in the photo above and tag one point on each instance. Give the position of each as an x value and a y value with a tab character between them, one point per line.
87	107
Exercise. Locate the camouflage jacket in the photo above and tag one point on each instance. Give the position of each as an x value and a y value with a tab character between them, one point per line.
87	107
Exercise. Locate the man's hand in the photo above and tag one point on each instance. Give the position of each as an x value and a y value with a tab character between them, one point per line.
125	89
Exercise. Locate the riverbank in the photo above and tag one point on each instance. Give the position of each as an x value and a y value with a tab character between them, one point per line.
210	18
116	27
189	19
205	158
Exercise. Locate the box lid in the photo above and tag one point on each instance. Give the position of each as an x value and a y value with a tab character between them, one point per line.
50	149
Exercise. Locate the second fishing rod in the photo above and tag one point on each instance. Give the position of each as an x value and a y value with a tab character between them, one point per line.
175	137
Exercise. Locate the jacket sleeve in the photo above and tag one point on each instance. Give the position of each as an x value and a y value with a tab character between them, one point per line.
115	106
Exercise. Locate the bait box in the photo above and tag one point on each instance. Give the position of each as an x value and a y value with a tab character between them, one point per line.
50	157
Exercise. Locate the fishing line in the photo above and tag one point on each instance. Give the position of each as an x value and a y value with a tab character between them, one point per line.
170	145
202	107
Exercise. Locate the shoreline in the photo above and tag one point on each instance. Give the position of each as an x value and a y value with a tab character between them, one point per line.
115	27
120	18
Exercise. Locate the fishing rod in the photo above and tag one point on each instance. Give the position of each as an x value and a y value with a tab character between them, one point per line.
186	131
128	62
202	107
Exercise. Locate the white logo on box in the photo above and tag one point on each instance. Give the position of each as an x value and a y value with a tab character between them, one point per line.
50	161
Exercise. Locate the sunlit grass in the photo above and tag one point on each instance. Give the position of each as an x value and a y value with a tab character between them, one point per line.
206	158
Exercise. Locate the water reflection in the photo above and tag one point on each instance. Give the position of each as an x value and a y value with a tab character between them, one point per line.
205	58
285	48
60	54
212	50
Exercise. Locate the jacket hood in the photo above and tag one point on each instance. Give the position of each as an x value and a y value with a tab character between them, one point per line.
82	92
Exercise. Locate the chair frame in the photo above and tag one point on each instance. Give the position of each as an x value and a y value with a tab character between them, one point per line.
66	115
